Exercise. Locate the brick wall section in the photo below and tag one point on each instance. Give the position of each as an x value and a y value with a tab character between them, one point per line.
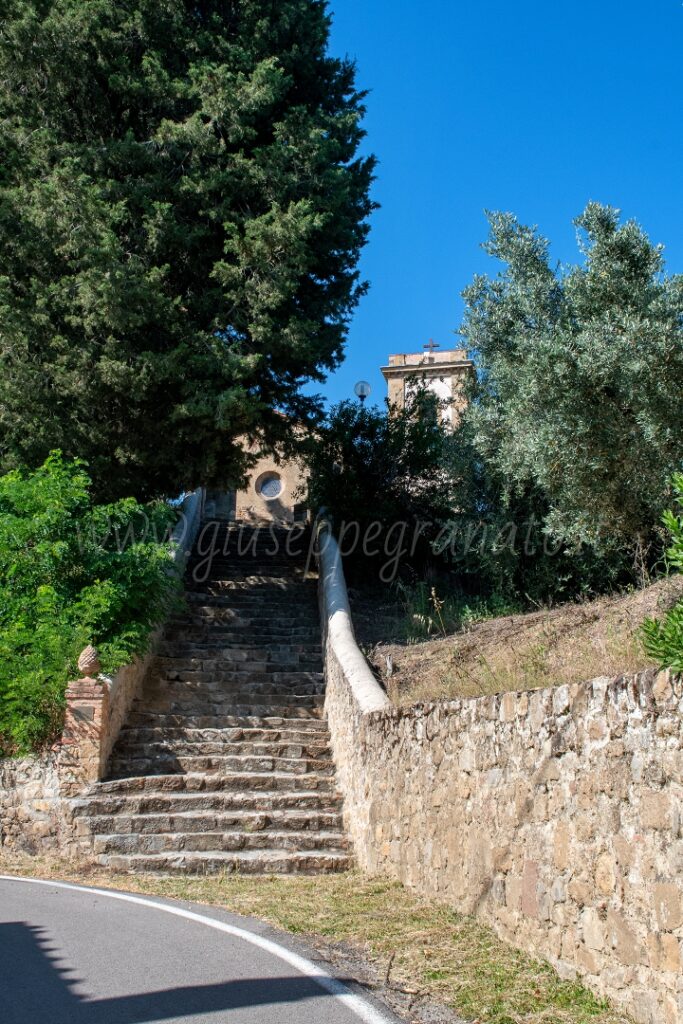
250	504
553	815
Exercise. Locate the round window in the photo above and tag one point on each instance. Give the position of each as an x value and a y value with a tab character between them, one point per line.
270	486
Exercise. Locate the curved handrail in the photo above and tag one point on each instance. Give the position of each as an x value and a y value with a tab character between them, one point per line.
337	615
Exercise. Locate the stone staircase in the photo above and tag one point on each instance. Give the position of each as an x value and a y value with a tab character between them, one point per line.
224	763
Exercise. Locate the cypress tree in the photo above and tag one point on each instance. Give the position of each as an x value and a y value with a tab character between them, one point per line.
182	208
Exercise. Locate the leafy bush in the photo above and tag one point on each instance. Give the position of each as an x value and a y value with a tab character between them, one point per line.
389	469
499	545
71	574
663	640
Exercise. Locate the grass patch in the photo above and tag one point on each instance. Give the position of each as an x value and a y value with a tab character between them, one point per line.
431	949
427	612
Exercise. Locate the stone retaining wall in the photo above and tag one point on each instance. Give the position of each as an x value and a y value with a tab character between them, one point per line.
553	815
30	804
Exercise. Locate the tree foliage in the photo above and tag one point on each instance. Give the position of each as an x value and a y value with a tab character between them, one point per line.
580	372
663	640
182	206
383	466
71	573
497	542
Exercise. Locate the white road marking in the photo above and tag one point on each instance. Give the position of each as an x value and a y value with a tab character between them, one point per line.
362	1009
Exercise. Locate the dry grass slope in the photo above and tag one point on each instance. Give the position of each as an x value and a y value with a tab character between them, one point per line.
568	644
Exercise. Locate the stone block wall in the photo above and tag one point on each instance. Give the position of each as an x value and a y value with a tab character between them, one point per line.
31	819
555	815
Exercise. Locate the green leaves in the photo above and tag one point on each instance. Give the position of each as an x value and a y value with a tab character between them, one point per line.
71	574
579	371
182	210
375	470
663	640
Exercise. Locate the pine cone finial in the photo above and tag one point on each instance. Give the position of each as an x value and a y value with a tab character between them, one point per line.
89	662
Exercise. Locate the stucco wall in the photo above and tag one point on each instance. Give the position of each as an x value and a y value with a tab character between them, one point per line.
250	503
553	815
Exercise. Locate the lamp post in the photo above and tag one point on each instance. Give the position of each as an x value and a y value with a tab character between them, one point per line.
362	390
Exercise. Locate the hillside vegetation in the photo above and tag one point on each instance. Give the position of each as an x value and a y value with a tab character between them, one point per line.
567	644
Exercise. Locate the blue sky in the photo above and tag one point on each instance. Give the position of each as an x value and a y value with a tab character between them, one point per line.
533	107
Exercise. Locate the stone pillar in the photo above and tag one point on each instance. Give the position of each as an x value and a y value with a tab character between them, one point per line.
86	726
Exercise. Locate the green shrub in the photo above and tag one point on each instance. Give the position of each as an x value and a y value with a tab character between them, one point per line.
663	640
71	574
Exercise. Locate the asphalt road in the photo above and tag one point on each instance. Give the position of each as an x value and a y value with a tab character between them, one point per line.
72	955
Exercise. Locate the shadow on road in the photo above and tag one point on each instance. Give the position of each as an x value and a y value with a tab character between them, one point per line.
34	988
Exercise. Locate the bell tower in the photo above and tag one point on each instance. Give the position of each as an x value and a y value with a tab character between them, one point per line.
443	371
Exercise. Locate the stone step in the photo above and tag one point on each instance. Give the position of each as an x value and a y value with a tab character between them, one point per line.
231	675
247	624
219	842
223	661
243	585
245	862
242	554
258	640
250	737
241	548
275	548
295	820
273	592
252	586
286	613
256	654
211	783
211	641
226	802
201	747
174	670
216	687
195	709
201	707
126	764
270	547
144	718
256	684
254	573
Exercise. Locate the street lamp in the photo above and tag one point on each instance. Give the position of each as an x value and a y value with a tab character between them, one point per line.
362	390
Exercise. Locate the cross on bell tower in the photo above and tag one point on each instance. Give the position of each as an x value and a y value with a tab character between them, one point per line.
432	346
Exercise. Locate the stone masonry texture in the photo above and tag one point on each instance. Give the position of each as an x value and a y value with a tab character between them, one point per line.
553	815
